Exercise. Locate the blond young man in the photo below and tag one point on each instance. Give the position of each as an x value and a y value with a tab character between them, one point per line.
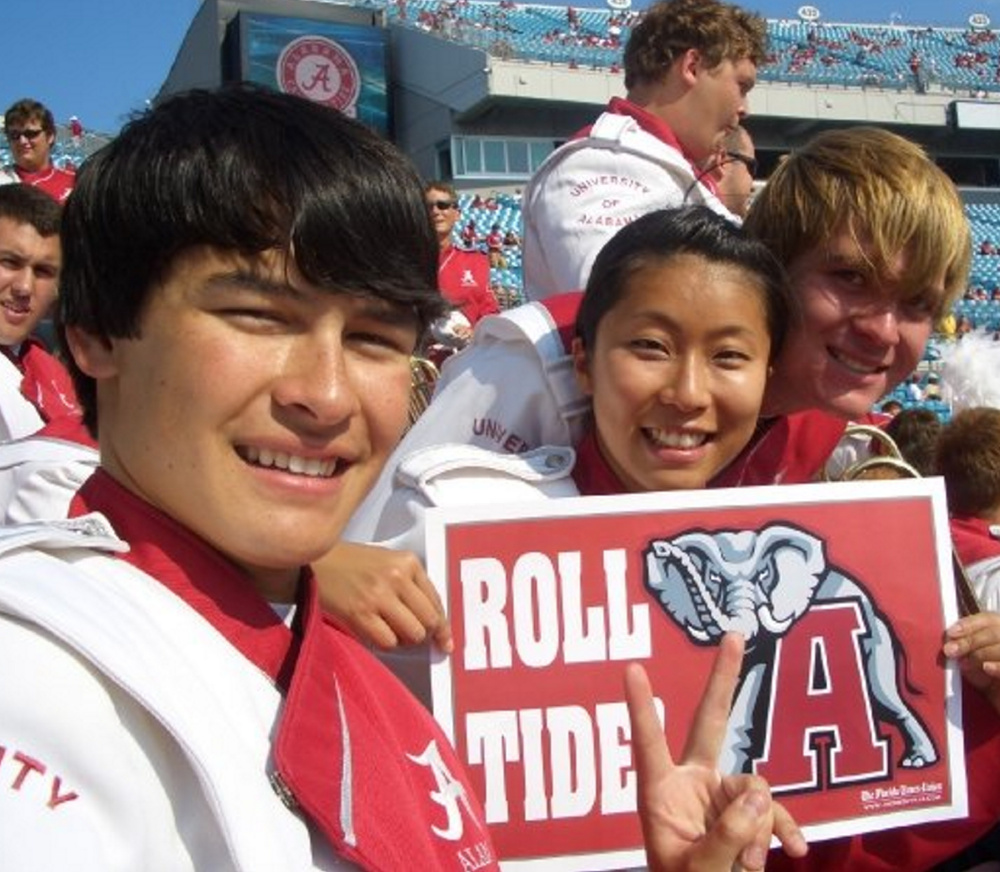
689	65
877	247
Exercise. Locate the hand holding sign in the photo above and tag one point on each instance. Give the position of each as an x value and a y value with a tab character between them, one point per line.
694	818
975	642
382	596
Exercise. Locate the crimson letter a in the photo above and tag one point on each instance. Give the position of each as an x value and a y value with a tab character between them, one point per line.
820	718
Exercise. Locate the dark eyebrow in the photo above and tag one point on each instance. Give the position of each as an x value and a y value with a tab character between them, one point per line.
368	305
661	320
251	281
391	314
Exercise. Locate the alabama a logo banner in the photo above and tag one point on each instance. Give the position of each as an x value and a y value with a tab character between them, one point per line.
842	591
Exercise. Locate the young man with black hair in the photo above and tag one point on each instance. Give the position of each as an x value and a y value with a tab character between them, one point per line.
173	697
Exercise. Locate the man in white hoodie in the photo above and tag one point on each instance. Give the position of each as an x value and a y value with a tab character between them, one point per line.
689	66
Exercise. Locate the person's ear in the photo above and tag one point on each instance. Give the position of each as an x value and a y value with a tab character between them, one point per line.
94	355
581	366
690	66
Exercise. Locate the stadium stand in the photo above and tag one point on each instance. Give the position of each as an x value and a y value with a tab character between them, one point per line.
810	52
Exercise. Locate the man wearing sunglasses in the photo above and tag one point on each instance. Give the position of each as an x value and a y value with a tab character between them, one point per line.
735	171
31	132
463	276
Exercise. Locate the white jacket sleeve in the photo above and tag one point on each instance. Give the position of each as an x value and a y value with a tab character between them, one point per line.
18	417
985	578
39	477
513	389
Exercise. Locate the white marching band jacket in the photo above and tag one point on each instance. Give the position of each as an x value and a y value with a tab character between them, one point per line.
590	188
132	736
474	403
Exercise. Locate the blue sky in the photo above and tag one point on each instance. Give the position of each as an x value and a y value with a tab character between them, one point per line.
101	59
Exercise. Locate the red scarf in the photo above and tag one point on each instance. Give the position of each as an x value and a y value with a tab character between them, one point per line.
47	386
592	475
332	687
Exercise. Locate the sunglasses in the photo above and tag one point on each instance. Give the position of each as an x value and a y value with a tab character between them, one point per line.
29	133
440	205
749	162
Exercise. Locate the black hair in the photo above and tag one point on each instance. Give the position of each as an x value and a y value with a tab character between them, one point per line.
27	205
663	234
244	169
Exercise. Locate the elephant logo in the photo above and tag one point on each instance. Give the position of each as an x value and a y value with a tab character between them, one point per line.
761	583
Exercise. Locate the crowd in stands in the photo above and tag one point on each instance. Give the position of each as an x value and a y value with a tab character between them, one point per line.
807	52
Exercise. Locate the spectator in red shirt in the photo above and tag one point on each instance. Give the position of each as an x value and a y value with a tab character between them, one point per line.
494	248
463	276
31	132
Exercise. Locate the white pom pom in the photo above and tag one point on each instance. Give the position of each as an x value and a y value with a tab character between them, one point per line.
970	372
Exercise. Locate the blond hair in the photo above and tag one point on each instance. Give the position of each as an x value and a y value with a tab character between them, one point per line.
885	191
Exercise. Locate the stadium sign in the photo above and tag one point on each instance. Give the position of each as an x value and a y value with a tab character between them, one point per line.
320	70
979	20
809	13
620	4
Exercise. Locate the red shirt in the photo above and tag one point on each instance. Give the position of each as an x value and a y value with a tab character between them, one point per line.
464	279
55	182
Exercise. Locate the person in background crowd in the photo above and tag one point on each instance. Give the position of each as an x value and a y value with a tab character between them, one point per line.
968	456
735	171
35	388
463	276
494	247
211	499
76	131
689	65
469	235
31	132
914	390
916	432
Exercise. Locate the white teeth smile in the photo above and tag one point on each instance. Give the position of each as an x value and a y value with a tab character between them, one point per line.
855	365
310	466
665	439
